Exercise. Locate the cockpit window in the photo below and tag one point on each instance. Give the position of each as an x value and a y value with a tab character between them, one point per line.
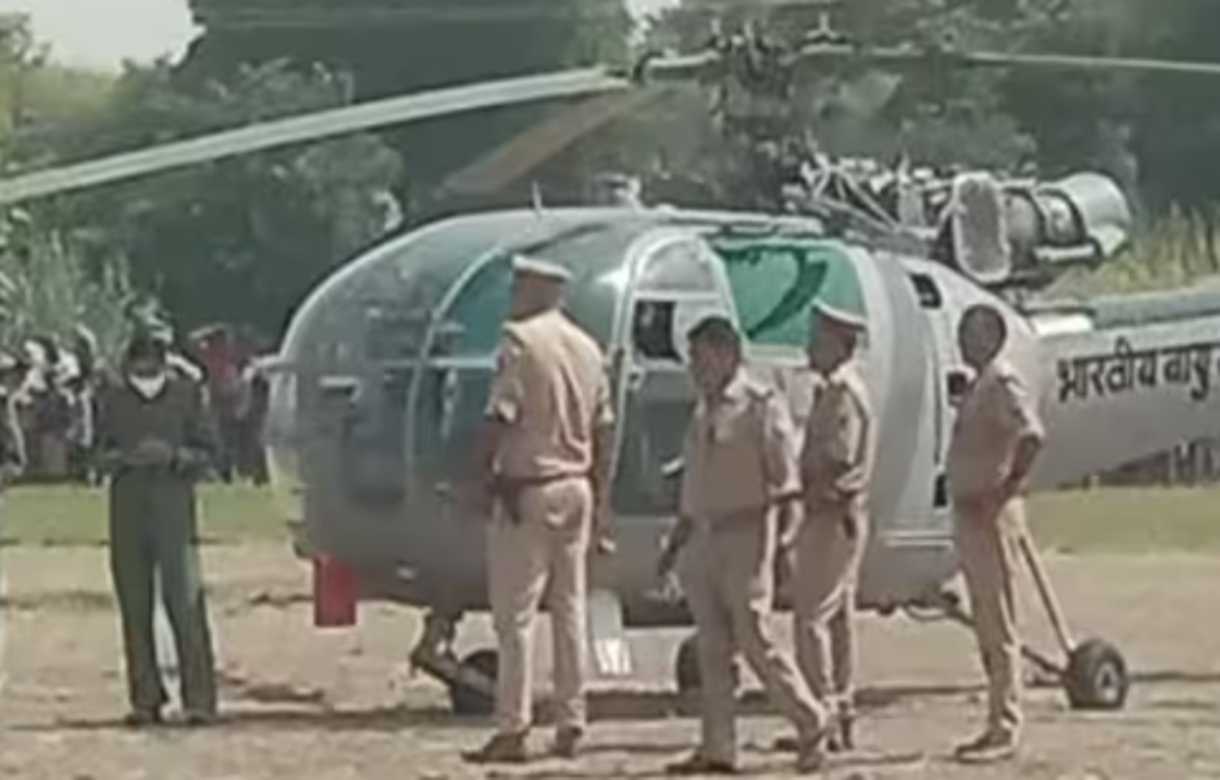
678	267
393	333
653	329
774	284
472	325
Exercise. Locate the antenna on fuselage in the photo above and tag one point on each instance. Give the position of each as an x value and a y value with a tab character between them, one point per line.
536	198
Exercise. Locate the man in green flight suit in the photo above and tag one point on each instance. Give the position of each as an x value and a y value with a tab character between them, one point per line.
154	439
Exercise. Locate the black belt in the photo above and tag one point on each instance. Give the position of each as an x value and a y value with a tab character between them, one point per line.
509	489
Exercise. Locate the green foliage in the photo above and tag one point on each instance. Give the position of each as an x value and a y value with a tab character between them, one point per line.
434	43
54	94
50	288
239	240
1168	255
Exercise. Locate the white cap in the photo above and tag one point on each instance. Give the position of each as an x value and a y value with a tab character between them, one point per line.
540	268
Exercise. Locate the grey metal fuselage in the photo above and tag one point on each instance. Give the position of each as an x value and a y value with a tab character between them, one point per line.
385	369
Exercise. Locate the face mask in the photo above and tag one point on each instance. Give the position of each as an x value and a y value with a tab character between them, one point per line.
148	387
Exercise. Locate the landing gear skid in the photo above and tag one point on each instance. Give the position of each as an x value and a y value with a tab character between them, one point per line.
471	681
1094	676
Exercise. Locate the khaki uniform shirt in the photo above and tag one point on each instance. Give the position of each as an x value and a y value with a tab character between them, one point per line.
995	415
840	439
551	389
740	453
799	386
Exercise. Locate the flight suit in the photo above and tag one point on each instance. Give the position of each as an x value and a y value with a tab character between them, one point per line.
552	391
840	438
740	457
153	527
995	415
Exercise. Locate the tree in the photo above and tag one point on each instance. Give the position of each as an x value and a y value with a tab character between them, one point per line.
393	47
238	240
48	287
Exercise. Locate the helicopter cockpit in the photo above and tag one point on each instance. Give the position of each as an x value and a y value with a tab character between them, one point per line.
385	369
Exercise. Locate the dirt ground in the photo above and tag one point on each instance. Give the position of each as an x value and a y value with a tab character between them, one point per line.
301	703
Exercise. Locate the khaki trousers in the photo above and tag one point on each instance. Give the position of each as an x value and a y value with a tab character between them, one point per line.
824	605
989	549
544	555
728	578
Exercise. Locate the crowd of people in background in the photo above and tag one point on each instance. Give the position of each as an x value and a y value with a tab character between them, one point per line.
53	386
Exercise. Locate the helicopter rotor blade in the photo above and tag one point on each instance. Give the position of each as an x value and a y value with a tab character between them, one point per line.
704	64
543	141
311	127
985	59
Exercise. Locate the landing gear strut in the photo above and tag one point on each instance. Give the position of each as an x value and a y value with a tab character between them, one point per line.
471	681
1095	675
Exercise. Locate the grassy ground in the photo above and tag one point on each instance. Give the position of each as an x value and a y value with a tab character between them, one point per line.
1128	520
61	516
1109	520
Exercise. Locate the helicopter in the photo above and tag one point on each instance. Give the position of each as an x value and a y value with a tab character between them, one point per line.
378	384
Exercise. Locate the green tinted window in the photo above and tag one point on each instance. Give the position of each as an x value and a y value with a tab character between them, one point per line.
774	284
472	326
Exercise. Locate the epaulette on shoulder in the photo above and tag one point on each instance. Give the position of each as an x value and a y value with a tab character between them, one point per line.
759	391
514	331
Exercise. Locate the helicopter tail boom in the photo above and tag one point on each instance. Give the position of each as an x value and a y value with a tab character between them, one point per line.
1127	378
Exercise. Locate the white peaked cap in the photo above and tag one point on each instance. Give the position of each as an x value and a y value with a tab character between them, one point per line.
525	265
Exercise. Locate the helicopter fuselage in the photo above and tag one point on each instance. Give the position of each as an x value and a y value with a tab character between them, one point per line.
384	372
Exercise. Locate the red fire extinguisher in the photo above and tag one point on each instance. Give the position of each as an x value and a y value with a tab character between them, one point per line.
335	591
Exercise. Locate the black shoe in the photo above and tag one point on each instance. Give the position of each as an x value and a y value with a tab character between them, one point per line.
811	756
792	745
567	741
980	742
500	749
199	718
142	718
847	738
993	750
698	765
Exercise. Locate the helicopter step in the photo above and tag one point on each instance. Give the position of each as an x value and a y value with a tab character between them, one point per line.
471	680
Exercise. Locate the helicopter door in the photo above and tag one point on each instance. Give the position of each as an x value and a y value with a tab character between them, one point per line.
949	375
675	280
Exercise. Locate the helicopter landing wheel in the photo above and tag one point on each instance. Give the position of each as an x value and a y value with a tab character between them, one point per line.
471	702
1096	677
686	668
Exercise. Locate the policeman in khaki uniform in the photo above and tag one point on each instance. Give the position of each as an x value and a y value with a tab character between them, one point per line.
545	466
740	458
996	439
836	465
